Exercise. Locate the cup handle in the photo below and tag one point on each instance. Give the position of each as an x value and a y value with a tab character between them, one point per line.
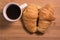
23	6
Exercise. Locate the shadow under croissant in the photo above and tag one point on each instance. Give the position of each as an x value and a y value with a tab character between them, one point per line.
38	32
4	24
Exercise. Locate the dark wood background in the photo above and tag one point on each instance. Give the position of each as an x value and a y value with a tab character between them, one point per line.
15	30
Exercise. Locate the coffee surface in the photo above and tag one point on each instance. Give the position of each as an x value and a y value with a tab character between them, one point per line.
13	11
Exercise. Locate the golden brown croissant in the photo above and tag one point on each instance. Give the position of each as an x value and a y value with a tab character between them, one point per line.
46	16
43	25
30	16
47	13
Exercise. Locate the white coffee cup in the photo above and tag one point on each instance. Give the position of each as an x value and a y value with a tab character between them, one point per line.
13	10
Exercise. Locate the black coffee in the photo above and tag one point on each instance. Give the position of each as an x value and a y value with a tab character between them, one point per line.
13	11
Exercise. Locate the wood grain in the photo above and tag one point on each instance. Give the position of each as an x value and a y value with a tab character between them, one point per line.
16	31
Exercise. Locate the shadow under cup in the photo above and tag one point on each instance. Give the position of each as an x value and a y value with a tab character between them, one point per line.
12	12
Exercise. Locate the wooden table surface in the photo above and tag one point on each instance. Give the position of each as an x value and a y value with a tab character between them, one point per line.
16	31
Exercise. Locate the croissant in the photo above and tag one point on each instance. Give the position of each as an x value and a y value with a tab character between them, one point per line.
46	16
47	13
30	15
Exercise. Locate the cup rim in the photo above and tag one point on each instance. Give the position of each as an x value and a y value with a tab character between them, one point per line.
4	12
